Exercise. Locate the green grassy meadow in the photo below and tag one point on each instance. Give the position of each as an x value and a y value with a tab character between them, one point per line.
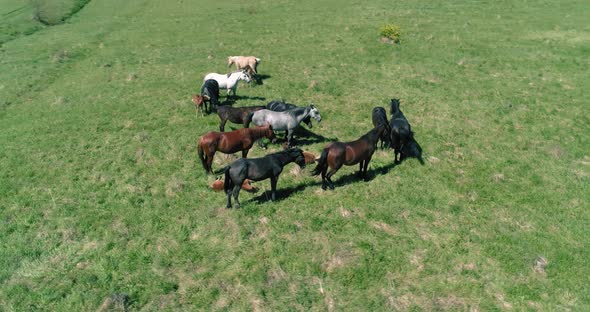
104	204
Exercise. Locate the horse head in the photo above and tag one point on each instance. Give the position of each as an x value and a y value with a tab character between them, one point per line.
297	154
314	113
230	61
244	76
269	133
394	106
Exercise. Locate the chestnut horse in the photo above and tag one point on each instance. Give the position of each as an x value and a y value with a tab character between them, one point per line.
337	154
230	142
242	62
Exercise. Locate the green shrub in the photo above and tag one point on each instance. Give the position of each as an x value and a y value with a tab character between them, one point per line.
392	32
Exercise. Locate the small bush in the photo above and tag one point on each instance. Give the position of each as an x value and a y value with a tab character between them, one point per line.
392	32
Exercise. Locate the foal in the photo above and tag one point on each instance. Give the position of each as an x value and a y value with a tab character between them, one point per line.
401	133
237	115
337	154
257	169
230	142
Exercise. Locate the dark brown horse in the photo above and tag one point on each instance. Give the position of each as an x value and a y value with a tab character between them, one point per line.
337	154
230	142
237	115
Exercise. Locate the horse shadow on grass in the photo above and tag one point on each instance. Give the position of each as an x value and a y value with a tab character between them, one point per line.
282	193
303	136
259	79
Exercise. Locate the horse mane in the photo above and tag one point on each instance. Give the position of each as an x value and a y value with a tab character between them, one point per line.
293	111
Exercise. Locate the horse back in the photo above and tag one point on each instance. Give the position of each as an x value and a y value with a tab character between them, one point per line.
379	117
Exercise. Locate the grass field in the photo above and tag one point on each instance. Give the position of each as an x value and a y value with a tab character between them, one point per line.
103	204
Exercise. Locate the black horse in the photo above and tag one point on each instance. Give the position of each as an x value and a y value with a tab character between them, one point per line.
281	106
379	117
210	93
401	132
257	169
237	115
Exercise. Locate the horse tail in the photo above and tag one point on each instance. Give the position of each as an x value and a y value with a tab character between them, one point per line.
248	119
228	184
322	162
202	155
405	135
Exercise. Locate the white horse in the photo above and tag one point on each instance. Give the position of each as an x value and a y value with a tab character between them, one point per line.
287	120
228	81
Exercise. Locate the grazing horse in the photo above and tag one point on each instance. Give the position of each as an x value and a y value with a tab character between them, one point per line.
209	93
229	81
237	115
379	117
401	132
230	142
280	106
337	154
287	120
243	61
257	169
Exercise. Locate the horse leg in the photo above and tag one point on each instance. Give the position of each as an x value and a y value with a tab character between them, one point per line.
273	188
222	125
365	166
245	153
324	178
236	192
289	137
228	200
329	177
210	160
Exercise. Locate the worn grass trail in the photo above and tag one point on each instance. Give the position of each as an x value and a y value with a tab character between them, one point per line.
102	195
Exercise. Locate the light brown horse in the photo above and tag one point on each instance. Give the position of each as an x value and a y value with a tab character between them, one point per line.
230	142
337	154
243	61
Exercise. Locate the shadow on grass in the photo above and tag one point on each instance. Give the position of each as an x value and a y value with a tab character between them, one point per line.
302	136
282	193
259	79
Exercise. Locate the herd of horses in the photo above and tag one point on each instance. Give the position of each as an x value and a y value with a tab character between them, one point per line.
394	133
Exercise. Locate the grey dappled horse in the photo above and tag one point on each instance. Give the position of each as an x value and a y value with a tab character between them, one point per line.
287	120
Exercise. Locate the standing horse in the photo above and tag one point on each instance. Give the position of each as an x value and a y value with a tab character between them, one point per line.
280	106
209	93
337	154
230	142
257	169
379	117
243	61
287	120
237	115
401	132
229	81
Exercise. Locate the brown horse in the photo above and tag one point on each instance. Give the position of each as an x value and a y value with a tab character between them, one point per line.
337	154
237	115
230	142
